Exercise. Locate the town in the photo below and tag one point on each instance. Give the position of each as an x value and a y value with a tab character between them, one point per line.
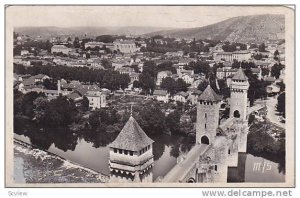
91	86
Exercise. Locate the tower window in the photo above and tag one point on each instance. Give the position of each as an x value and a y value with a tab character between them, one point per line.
228	151
115	150
131	153
120	151
216	168
205	125
205	115
125	152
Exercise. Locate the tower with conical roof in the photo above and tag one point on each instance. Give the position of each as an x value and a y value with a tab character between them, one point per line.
238	95
130	155
207	116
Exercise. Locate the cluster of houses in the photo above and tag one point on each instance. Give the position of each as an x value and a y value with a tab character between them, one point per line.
73	90
128	59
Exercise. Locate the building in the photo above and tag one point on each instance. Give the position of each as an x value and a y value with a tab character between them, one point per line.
161	95
131	155
181	97
125	46
207	116
231	56
60	48
96	99
238	95
225	72
94	44
161	75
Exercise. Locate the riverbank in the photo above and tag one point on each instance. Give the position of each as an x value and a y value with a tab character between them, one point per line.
32	165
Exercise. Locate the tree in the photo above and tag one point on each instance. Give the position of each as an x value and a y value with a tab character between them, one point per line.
76	43
105	38
50	84
276	53
40	106
149	123
169	84
60	112
85	103
181	85
281	104
265	71
202	86
276	70
106	64
172	122
136	84
147	82
262	47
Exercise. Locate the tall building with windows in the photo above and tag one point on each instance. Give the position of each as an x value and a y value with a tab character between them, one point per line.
238	95
207	116
130	155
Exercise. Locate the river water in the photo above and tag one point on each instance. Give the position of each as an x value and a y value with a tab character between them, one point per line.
250	168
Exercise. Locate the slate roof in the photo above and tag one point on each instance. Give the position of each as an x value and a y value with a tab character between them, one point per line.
239	75
132	137
160	92
209	95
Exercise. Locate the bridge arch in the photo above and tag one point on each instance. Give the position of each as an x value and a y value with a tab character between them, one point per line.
236	114
204	140
191	180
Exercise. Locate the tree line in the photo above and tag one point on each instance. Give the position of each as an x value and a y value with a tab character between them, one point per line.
109	79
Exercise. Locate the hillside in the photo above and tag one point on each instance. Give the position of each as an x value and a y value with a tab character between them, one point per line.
255	28
89	31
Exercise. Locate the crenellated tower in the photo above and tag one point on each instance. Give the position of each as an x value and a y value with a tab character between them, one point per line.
130	155
207	116
238	95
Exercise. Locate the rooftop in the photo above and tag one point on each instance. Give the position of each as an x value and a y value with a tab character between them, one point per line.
209	95
132	137
239	75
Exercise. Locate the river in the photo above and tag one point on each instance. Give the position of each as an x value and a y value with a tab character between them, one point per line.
250	168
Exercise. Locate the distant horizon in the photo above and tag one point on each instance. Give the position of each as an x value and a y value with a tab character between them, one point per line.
167	17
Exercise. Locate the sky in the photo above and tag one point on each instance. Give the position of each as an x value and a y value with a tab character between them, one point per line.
154	16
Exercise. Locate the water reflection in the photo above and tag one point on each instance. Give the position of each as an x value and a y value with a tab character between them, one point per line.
255	169
89	148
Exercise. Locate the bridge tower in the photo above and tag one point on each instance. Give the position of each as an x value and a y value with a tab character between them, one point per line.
238	106
238	95
207	116
131	156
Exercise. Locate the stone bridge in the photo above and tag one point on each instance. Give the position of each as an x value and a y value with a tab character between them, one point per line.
209	163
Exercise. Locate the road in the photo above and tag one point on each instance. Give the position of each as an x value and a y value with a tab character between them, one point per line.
182	168
271	115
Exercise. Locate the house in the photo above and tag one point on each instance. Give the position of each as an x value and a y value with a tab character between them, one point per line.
27	84
161	75
24	52
231	56
134	77
188	78
224	72
257	72
272	89
60	48
193	95
94	44
161	95
125	46
125	70
181	97
96	99
40	78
